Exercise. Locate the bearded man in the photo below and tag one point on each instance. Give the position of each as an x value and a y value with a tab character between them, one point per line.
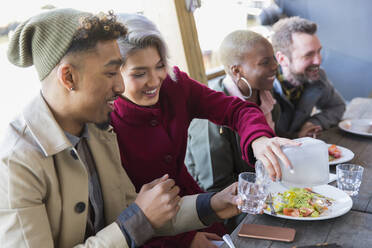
301	85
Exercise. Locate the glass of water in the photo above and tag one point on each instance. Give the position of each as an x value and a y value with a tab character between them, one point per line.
252	193
349	178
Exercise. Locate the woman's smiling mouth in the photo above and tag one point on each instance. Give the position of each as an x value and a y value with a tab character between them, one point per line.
150	92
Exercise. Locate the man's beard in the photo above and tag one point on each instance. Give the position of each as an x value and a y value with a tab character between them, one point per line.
104	125
301	78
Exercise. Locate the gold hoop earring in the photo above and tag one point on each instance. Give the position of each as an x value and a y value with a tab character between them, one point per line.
249	87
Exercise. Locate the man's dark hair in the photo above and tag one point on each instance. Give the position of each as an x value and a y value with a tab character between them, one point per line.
283	30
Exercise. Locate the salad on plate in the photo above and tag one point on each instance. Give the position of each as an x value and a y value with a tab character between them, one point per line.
301	202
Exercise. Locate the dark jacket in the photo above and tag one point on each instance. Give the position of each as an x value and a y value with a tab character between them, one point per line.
320	94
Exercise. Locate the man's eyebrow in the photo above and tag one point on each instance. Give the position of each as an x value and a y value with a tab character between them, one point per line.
309	53
118	62
313	51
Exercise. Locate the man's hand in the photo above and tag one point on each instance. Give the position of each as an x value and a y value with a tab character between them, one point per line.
309	129
159	200
268	151
203	240
224	203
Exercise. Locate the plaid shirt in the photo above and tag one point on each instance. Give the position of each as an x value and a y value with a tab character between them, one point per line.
292	93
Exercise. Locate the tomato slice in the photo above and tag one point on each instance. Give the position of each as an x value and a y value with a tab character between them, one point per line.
306	211
291	212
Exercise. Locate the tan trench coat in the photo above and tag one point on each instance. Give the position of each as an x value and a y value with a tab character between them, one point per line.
41	184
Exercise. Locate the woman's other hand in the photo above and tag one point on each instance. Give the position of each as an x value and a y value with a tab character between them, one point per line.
268	151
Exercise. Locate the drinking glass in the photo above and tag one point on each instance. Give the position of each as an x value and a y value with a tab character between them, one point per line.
252	192
349	178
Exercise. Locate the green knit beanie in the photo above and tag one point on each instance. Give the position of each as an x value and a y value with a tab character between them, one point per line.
43	39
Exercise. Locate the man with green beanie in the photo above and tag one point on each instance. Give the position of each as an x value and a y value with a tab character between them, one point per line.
62	183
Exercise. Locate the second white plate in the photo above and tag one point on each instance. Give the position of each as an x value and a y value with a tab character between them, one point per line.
357	126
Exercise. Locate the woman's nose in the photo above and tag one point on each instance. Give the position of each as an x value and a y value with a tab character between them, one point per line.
155	79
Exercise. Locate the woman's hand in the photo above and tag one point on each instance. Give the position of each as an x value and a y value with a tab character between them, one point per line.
268	151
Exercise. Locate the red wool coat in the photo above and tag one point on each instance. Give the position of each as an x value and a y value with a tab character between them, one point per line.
152	140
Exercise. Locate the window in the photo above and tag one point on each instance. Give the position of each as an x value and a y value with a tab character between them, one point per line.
217	18
20	85
214	20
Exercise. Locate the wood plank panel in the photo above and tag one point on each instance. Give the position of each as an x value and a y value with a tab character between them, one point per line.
177	25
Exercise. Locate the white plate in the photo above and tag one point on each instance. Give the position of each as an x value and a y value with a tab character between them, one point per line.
340	206
357	126
346	155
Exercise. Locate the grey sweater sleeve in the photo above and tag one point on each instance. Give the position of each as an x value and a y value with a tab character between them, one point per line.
135	226
204	209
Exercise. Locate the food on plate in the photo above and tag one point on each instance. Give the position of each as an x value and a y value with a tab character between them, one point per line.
301	202
334	152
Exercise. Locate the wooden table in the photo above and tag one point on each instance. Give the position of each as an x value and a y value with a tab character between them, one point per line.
362	148
353	229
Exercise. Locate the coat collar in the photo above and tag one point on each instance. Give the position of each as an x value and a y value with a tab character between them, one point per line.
127	109
277	87
47	132
44	128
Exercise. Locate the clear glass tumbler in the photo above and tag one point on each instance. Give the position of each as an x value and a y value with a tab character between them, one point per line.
252	192
349	178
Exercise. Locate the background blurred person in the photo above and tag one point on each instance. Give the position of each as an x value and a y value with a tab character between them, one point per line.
301	84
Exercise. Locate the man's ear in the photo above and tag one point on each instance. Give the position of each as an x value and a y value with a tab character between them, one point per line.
282	59
67	76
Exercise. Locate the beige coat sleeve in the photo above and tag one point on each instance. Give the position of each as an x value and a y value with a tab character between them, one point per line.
25	221
186	219
23	214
